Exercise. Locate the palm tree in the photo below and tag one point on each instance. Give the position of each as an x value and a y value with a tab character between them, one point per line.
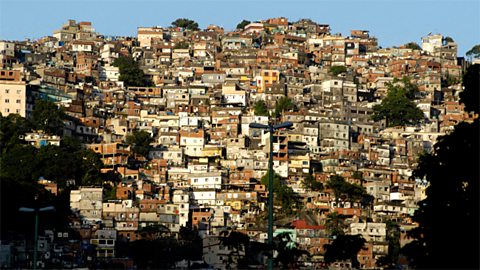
236	242
288	251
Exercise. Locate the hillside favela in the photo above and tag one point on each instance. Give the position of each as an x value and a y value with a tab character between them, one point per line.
277	145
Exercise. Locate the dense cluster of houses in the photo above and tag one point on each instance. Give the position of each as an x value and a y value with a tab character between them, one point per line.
204	166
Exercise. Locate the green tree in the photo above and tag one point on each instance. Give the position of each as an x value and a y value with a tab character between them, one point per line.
471	97
474	52
336	70
140	142
413	45
90	167
186	24
310	183
242	24
335	224
260	108
130	72
393	238
181	45
345	247
447	40
346	191
19	156
48	117
283	104
236	242
397	108
288	251
452	202
284	195
12	128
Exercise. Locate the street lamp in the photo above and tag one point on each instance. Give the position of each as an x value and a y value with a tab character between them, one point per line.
270	127
37	212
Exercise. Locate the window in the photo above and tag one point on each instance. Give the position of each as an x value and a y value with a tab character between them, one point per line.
7	100
18	101
19	91
7	91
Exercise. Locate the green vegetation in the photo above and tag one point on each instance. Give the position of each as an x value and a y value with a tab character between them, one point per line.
186	24
260	108
335	224
140	142
413	45
393	238
182	45
310	183
48	117
452	203
474	52
242	24
288	252
336	70
346	191
471	97
345	247
11	127
67	165
284	195
236	242
283	104
448	39
397	108
130	72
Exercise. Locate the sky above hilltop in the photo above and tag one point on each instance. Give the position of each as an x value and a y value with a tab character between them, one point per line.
393	22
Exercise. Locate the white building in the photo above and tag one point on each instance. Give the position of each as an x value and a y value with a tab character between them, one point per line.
109	73
212	180
87	203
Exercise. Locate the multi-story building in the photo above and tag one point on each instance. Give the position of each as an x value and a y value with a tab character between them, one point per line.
13	93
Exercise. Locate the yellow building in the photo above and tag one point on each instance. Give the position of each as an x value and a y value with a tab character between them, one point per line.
267	78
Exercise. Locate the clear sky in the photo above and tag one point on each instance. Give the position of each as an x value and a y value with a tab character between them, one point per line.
392	22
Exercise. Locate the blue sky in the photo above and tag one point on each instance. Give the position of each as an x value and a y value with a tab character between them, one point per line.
392	22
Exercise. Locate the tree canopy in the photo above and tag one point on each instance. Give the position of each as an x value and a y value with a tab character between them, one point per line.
413	45
284	195
336	70
186	24
288	250
242	24
48	117
471	97
397	108
283	104
310	183
474	51
130	72
260	108
452	202
11	128
140	142
335	224
345	247
448	39
181	45
22	165
346	191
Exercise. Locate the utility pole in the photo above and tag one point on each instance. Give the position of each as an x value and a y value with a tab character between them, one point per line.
271	128
37	212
